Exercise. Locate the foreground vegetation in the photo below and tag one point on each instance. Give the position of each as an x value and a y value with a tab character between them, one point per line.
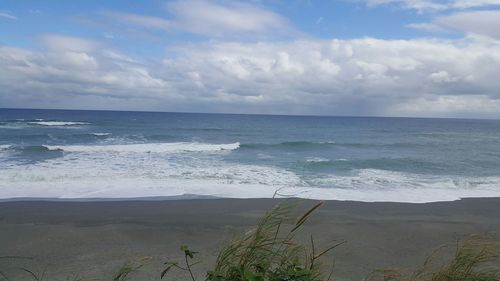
270	252
475	259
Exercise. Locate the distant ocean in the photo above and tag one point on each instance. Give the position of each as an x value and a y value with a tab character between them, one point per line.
104	154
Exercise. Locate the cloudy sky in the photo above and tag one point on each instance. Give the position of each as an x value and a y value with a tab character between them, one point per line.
424	58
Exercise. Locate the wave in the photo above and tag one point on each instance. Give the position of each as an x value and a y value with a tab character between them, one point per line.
100	134
288	144
200	129
91	179
30	148
12	126
58	123
317	160
4	147
160	137
375	179
392	164
149	147
324	144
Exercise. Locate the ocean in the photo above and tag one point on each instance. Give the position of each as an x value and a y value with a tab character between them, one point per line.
108	154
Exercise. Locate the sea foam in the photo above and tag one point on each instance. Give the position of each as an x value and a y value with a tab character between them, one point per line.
57	123
149	147
102	175
101	134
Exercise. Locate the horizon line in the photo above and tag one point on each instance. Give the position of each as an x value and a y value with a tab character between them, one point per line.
252	114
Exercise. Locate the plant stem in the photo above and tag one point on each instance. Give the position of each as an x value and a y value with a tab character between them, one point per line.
189	268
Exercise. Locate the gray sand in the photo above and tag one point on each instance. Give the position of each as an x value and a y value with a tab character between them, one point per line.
93	239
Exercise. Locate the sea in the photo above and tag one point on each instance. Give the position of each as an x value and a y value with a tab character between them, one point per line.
87	155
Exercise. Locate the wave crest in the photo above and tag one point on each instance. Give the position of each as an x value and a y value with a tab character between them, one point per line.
149	147
58	123
288	144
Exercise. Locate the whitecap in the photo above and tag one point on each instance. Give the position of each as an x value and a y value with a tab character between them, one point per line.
5	146
150	147
101	134
317	159
58	123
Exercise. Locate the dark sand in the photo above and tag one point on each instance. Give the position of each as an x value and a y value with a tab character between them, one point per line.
93	239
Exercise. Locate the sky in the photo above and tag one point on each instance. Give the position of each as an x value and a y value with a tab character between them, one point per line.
417	58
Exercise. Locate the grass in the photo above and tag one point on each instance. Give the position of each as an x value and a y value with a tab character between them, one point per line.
267	253
122	274
270	252
475	259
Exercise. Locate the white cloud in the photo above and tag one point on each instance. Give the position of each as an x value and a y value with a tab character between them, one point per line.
430	27
353	77
74	74
224	18
472	23
464	4
442	77
141	20
210	18
419	5
68	43
486	23
449	105
434	5
7	16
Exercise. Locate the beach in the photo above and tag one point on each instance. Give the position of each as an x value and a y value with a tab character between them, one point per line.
95	238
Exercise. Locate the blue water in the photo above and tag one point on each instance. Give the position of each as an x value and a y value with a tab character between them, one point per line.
91	154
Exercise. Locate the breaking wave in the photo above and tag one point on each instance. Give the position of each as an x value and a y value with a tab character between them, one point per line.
149	147
58	123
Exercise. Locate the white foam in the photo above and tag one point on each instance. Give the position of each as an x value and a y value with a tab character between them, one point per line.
4	146
101	134
13	126
102	173
317	159
373	181
57	123
125	186
128	170
4	149
149	147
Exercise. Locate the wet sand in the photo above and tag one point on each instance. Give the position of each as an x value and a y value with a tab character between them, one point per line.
93	239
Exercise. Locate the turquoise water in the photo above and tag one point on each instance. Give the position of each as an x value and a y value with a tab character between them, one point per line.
103	154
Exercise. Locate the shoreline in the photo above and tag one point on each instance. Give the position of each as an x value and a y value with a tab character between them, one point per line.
212	197
97	237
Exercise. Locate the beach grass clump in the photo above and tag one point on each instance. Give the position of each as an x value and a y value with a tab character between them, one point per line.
269	252
475	259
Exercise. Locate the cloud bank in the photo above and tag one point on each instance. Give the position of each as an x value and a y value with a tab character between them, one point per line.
423	77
